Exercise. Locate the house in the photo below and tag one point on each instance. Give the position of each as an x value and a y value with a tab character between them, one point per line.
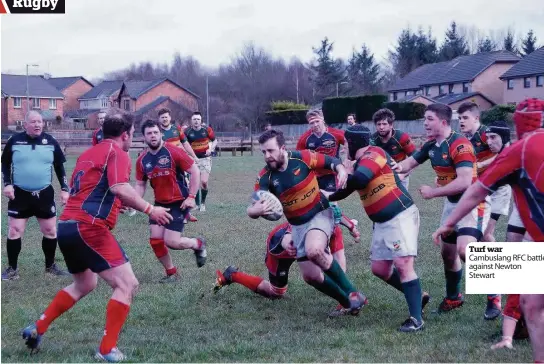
43	97
475	77
142	98
72	88
525	79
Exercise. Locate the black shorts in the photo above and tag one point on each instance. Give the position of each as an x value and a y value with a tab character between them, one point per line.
27	204
86	246
327	183
177	213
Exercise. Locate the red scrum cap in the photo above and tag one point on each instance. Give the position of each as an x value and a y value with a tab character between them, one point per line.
528	116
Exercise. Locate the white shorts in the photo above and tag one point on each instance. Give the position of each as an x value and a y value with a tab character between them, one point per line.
515	219
406	182
500	200
474	223
205	164
323	221
397	237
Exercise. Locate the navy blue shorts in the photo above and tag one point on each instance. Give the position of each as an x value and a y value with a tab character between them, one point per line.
327	183
86	246
27	204
177	213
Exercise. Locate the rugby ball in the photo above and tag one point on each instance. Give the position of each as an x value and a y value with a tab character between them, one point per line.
277	207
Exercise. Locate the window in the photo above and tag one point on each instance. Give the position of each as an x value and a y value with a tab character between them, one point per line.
527	82
465	87
104	102
35	103
540	81
450	88
441	90
427	90
19	123
510	84
52	103
127	105
394	96
419	92
17	102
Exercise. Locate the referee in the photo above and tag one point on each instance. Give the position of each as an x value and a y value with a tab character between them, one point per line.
28	161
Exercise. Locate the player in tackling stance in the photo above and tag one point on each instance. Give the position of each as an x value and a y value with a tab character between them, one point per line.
521	167
291	176
280	255
164	165
100	179
395	217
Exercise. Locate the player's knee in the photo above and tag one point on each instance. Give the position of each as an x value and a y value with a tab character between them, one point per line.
49	231
312	277
87	287
380	271
204	185
129	286
159	247
532	307
15	231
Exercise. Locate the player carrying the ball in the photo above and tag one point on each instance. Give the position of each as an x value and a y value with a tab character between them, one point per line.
280	255
395	216
164	165
291	177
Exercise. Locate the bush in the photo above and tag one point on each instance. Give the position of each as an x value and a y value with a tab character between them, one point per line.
286	117
406	110
287	105
498	112
336	109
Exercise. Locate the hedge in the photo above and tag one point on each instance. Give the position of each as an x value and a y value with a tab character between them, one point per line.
286	117
498	112
406	110
287	105
336	109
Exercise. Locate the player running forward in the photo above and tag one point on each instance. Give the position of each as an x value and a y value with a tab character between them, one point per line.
291	176
280	255
453	159
98	134
395	216
396	143
100	179
521	167
164	165
326	140
469	123
202	140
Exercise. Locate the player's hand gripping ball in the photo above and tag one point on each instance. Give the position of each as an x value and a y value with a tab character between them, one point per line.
276	208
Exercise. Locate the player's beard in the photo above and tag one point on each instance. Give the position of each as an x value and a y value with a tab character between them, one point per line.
384	134
156	146
277	163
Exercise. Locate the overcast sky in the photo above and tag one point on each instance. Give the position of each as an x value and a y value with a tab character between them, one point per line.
97	36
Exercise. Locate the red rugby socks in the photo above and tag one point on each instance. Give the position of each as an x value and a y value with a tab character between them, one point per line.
60	304
116	315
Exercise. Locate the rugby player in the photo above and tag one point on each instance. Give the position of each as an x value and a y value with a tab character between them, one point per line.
396	143
513	324
521	167
291	177
99	183
280	255
202	140
396	220
28	161
453	159
469	123
326	140
164	165
98	134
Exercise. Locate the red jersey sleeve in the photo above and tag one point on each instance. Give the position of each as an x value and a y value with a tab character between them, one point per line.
118	166
95	141
318	161
503	167
462	153
211	134
181	159
301	144
263	181
339	136
182	137
140	175
407	145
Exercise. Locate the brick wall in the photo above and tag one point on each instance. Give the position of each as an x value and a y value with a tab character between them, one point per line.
489	84
4	112
73	92
167	88
14	114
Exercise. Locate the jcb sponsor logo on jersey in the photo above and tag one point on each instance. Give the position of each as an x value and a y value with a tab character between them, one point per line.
373	191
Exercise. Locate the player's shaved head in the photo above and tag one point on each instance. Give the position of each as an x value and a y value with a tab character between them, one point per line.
470	106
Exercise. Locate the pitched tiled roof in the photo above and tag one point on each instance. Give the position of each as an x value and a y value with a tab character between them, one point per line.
530	65
15	85
62	83
137	88
460	69
80	113
105	88
449	99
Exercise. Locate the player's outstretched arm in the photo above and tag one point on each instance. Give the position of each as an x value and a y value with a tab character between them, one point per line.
129	197
486	163
140	188
475	194
189	149
458	185
406	166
